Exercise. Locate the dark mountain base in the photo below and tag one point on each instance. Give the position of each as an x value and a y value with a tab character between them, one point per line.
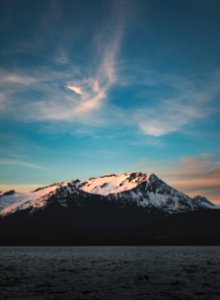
107	226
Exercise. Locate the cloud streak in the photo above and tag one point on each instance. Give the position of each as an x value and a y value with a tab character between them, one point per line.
190	102
20	163
194	175
22	188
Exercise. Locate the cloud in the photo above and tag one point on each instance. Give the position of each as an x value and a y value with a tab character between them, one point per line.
41	93
2	102
95	86
194	175
204	166
168	117
209	187
20	163
7	77
49	87
190	102
62	57
22	188
47	84
156	127
75	89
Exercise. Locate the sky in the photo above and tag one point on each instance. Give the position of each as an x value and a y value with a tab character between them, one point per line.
95	87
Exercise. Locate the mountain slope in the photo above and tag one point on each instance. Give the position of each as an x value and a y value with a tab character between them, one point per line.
11	202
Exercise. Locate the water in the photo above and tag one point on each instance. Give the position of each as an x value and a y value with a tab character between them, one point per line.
114	273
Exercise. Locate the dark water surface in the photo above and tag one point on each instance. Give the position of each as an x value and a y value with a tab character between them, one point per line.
110	273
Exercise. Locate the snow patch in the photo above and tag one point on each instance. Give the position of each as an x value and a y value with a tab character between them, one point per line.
21	201
112	183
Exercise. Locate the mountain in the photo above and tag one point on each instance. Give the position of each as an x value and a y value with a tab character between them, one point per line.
137	188
131	208
203	202
11	201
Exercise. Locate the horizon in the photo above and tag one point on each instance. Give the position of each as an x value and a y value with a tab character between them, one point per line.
96	87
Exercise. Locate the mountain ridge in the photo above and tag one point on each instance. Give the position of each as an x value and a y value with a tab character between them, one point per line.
151	212
136	186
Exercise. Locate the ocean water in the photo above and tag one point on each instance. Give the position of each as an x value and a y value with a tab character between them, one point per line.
113	273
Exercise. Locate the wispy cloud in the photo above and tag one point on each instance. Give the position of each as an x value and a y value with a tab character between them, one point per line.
62	57
193	175
88	104
168	117
94	89
191	101
7	77
20	163
55	103
22	188
204	166
80	96
2	102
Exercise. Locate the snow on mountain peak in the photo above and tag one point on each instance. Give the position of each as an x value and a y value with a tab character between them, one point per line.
11	202
112	183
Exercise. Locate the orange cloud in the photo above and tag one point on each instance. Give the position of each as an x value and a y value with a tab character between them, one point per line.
207	187
196	175
21	188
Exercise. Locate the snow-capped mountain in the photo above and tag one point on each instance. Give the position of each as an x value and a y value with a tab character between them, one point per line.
11	201
135	188
131	208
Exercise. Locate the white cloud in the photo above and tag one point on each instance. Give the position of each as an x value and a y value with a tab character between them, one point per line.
189	104
15	78
156	127
75	89
167	117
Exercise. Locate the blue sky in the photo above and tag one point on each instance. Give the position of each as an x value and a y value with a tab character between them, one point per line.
93	87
